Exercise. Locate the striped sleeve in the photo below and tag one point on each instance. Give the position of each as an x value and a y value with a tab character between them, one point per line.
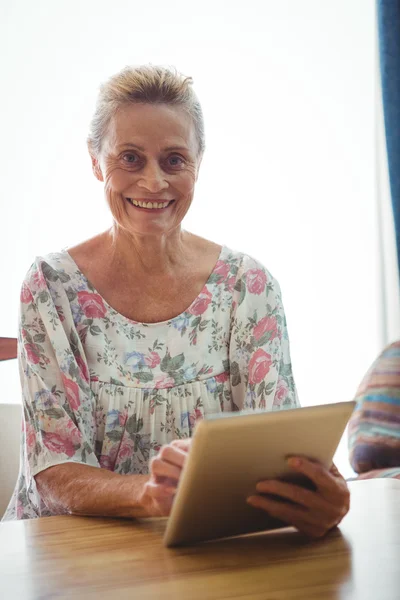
374	429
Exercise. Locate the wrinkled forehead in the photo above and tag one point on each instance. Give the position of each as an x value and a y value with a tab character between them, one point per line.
153	127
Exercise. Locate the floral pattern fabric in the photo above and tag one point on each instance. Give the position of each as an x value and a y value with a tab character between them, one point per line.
103	390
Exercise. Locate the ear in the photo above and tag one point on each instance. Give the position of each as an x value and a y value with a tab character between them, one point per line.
96	168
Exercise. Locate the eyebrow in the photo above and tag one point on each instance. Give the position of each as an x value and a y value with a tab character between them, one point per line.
170	148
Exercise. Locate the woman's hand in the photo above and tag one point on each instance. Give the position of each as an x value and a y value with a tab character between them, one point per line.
314	512
165	471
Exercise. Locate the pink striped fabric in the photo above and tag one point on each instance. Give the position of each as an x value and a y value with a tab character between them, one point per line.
374	429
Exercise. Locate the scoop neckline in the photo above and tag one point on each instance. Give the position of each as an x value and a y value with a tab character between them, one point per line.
140	323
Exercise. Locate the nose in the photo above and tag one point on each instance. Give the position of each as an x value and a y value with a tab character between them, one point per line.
152	178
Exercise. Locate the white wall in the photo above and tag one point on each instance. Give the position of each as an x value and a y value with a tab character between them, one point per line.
287	92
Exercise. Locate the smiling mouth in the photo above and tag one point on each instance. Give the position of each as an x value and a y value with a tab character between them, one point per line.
149	205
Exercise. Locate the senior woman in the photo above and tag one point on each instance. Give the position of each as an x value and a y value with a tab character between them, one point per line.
129	338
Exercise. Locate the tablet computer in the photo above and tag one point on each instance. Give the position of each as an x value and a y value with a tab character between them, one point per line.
232	452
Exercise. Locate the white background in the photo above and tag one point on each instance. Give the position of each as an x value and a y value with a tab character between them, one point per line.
287	90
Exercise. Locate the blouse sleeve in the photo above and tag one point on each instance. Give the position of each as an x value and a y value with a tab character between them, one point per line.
58	414
374	428
260	365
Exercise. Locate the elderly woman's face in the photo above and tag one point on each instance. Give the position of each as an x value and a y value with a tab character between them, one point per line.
149	163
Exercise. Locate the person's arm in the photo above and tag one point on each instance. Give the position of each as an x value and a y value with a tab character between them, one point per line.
84	490
262	378
392	473
58	416
374	441
260	365
60	472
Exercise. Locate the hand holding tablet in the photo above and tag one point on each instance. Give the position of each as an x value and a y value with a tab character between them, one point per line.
313	512
165	469
237	477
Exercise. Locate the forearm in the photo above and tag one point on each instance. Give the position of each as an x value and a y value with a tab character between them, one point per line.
77	489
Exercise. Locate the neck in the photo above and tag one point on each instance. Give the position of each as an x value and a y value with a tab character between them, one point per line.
159	255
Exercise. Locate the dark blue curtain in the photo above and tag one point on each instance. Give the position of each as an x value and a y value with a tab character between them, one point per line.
389	50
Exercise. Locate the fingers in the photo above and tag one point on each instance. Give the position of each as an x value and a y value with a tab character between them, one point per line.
165	471
161	469
312	512
169	461
308	522
329	483
169	484
334	471
182	444
303	497
157	491
174	454
158	499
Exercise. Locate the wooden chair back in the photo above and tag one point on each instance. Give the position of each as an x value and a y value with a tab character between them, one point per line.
8	348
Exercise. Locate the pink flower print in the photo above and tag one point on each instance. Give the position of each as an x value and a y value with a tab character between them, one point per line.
281	392
82	367
60	313
152	360
259	366
59	445
230	283
122	418
106	462
72	392
26	294
194	416
32	353
164	382
256	281
39	279
92	304
221	269
201	303
66	428
30	436
20	509
126	449
222	377
266	324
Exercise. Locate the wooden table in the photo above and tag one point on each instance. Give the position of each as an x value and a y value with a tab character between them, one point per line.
92	558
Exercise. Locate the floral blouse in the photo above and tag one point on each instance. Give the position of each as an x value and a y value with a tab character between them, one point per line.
103	390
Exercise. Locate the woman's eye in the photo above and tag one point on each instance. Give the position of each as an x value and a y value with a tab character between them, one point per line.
175	161
130	158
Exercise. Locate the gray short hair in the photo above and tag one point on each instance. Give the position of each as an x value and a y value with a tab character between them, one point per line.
144	84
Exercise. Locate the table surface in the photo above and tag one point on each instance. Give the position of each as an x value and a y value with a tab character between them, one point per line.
83	557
